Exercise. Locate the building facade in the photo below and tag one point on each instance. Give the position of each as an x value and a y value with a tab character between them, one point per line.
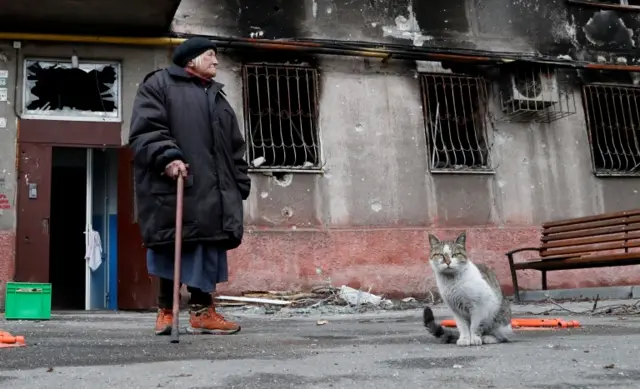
476	116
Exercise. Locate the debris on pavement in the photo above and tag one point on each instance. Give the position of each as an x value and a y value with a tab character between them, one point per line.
318	295
323	295
357	297
630	309
254	300
325	298
7	340
322	322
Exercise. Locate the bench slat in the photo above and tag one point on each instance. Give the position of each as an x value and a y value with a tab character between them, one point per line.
592	225
586	234
586	219
620	237
582	262
591	248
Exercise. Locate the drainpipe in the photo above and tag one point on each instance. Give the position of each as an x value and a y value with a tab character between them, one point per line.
115	40
343	48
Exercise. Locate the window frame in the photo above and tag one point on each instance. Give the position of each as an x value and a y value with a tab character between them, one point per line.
83	118
591	128
318	168
484	101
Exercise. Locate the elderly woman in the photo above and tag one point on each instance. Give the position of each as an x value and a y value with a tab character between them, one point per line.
183	125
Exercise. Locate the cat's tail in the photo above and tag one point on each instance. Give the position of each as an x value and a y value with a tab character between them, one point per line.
446	334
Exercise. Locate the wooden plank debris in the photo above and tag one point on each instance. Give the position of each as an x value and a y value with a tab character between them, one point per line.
254	300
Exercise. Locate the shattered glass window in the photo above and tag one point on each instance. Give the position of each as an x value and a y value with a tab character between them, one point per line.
59	89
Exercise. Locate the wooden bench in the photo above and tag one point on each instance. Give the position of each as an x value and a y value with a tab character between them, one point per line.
603	240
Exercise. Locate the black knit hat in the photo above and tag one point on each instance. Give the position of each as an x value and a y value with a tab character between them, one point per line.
190	49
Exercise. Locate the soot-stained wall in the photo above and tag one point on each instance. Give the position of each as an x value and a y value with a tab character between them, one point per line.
365	221
550	27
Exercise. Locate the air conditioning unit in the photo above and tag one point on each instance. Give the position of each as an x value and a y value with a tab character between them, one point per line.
531	91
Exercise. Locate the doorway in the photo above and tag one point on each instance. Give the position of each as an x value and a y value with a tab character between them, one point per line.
80	146
83	199
67	226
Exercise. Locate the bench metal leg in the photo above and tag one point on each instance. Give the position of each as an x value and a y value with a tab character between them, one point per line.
514	278
544	280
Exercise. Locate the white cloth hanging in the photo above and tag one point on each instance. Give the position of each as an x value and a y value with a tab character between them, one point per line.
93	252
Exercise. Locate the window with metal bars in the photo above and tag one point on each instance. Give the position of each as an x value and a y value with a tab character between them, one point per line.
456	112
281	112
613	124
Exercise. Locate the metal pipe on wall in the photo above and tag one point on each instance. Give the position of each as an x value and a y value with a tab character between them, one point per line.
354	49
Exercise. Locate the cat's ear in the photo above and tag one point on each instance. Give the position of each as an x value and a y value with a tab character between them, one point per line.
462	239
433	241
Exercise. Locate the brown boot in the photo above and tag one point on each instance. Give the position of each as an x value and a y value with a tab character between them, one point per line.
164	322
205	320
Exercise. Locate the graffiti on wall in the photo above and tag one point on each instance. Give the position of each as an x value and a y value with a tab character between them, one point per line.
4	200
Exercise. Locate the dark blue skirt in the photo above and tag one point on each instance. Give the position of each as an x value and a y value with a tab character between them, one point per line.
203	266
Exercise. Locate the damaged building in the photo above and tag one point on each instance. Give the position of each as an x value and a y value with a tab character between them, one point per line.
369	124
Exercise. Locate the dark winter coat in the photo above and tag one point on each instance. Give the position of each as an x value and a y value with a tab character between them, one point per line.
178	116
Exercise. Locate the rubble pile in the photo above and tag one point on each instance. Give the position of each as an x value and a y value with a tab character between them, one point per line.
318	296
618	310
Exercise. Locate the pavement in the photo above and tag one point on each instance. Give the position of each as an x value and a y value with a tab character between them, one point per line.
290	350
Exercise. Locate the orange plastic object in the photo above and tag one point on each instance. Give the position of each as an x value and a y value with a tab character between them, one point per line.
8	340
546	323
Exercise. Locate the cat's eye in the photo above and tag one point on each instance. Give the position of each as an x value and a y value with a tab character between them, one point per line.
437	257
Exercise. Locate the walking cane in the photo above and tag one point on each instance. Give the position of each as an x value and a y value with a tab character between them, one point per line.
175	337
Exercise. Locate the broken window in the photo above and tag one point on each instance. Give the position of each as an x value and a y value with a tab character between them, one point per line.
58	89
456	112
281	117
613	124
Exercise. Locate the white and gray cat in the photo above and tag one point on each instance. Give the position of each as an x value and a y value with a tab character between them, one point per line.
472	292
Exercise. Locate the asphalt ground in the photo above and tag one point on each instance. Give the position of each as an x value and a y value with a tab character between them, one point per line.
351	351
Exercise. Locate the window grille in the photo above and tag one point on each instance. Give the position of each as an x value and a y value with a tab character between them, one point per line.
281	117
456	121
613	124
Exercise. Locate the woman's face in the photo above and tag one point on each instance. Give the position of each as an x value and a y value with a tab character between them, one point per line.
205	64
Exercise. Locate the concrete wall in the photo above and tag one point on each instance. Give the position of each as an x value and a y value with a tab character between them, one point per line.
7	177
535	27
365	222
136	62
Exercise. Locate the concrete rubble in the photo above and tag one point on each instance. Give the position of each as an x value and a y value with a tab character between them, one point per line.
321	298
329	300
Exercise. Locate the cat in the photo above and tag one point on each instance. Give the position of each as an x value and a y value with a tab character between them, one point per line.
472	292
